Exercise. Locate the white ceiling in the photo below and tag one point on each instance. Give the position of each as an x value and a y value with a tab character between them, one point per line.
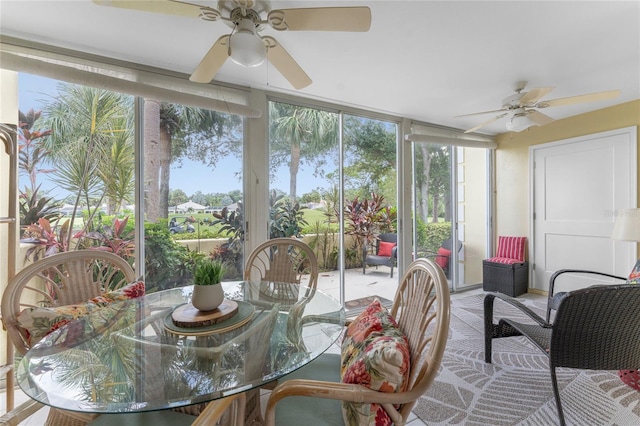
425	60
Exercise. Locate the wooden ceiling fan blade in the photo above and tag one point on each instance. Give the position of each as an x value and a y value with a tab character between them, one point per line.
600	96
486	123
353	19
539	118
533	95
288	67
167	7
212	61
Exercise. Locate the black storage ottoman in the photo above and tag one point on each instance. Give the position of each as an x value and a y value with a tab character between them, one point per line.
510	279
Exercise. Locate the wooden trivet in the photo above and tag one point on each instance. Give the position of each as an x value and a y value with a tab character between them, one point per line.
189	317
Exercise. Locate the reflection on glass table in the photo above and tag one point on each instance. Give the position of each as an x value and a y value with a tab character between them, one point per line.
126	357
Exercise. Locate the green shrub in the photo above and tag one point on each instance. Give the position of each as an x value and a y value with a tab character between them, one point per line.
166	262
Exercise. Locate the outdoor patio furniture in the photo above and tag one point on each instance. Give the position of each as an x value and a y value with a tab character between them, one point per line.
443	256
594	328
508	271
383	253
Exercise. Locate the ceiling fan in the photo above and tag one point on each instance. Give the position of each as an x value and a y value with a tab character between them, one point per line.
523	107
244	45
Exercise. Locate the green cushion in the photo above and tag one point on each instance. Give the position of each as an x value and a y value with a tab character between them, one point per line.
154	418
297	410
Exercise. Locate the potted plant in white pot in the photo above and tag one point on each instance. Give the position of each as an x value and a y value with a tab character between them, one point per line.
207	291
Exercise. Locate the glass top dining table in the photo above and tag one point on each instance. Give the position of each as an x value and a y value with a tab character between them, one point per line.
130	356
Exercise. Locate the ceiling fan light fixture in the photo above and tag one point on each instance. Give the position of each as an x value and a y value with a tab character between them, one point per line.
245	47
519	123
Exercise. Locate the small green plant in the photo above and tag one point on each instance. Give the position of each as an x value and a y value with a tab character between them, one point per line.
208	272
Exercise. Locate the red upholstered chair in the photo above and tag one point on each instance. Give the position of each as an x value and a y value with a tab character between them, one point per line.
508	271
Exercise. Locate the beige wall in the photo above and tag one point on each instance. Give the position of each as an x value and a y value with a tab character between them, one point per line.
474	221
512	159
8	115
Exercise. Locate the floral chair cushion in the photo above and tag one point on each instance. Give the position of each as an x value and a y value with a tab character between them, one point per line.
375	354
35	323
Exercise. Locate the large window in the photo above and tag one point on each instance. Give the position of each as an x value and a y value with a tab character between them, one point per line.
76	168
192	191
168	173
77	179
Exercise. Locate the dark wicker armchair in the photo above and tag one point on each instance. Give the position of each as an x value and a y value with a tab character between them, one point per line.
379	255
555	297
595	328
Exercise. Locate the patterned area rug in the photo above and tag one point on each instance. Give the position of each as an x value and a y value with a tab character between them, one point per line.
516	388
355	306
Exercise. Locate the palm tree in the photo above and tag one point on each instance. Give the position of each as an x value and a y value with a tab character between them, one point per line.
299	133
86	123
151	160
172	131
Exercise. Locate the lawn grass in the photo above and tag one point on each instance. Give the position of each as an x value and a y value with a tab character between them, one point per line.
311	216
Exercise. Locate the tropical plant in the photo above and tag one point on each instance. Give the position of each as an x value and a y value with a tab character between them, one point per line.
47	240
91	129
231	222
362	218
298	133
165	259
173	131
286	218
32	152
116	238
208	272
33	207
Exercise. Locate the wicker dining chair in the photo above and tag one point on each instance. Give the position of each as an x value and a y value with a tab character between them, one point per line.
61	279
281	265
595	328
314	393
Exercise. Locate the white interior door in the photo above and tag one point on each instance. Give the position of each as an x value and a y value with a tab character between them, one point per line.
578	185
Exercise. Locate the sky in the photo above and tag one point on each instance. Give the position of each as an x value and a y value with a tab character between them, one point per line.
191	176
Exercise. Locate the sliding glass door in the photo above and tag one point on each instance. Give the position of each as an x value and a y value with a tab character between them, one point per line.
332	183
451	202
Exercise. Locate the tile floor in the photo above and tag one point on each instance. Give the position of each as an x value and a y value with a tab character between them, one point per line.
374	282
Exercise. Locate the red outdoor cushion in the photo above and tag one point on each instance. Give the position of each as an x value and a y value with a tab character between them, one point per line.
384	249
511	248
442	258
505	260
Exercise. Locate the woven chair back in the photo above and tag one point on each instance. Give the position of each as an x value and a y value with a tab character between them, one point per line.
61	279
598	328
422	310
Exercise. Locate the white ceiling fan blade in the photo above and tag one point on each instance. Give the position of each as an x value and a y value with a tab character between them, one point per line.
355	19
288	67
168	7
533	95
480	113
539	118
212	61
496	118
600	96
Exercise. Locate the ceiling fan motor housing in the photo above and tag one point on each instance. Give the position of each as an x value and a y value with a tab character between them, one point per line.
513	101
